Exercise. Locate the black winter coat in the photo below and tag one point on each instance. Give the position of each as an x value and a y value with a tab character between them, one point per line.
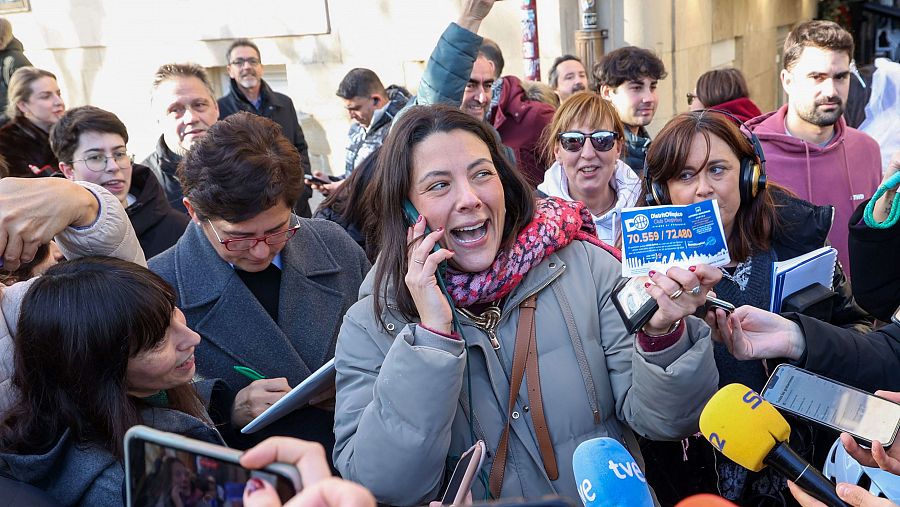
636	146
804	228
280	109
156	224
876	272
12	57
163	162
864	360
23	143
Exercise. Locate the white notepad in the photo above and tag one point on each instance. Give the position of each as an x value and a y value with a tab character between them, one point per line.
793	275
299	397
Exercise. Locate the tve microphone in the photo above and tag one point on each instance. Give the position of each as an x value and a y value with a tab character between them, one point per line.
705	500
608	476
750	431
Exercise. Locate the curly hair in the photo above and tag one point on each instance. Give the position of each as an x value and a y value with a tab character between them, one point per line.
630	63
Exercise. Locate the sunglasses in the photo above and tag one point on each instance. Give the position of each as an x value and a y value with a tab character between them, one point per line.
601	140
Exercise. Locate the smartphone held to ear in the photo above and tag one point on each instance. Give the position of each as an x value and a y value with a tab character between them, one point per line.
158	463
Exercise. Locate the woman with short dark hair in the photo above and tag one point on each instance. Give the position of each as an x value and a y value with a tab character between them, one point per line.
413	392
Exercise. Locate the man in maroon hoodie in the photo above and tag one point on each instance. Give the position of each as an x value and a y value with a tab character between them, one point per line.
808	146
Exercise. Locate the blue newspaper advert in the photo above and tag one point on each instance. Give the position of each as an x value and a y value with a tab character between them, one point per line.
659	237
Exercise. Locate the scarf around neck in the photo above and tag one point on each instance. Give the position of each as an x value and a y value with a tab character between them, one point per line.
556	223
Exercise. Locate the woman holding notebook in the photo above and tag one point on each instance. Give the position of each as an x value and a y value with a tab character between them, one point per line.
703	155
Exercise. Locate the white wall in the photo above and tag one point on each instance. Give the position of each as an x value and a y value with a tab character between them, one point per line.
105	51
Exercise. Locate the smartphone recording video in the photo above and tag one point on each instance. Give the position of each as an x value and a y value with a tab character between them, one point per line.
167	469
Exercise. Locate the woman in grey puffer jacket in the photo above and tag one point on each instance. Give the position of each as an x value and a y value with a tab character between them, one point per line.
404	406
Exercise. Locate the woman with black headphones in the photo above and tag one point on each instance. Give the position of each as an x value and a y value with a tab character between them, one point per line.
703	155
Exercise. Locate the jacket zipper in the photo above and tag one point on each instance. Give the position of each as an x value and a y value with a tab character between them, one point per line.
492	332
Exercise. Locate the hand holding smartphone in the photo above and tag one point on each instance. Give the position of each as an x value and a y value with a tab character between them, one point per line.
312	179
160	464
832	404
464	474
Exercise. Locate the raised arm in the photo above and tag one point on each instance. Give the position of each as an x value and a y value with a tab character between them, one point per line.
450	64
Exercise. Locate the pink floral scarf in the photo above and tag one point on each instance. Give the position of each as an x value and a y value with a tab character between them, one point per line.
556	223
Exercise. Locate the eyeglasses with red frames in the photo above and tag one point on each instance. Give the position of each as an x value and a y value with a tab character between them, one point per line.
601	140
243	244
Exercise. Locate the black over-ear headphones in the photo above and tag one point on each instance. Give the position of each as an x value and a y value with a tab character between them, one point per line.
752	177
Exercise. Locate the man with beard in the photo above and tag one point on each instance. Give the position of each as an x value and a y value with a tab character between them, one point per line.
567	76
249	92
627	77
808	146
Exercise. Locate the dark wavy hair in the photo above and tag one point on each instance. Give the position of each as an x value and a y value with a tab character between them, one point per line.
816	33
80	323
756	221
351	203
630	63
392	183
240	168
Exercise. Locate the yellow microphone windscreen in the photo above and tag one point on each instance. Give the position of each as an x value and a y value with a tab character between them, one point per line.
743	426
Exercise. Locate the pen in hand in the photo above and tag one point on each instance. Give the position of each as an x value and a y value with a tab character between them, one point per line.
248	372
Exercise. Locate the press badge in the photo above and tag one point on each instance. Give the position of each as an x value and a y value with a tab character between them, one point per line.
659	237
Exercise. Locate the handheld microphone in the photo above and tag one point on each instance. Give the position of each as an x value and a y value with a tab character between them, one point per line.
750	431
704	500
608	476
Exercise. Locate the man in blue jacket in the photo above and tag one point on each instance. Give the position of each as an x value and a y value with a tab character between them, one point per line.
249	92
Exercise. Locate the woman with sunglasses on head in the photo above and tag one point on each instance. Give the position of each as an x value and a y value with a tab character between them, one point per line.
586	138
704	155
420	378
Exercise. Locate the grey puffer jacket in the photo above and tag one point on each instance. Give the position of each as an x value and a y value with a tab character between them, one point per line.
111	234
401	391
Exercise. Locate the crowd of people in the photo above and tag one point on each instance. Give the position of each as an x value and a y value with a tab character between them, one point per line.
460	273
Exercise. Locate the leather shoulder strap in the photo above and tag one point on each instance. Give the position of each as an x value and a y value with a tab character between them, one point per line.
533	378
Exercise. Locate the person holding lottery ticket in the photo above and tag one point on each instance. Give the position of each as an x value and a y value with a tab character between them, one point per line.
705	155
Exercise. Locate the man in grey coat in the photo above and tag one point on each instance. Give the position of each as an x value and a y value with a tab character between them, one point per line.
264	288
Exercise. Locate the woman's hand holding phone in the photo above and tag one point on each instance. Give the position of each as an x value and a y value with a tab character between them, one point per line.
421	276
674	291
320	489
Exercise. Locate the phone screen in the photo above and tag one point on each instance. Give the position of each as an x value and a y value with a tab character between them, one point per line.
160	473
468	465
833	404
